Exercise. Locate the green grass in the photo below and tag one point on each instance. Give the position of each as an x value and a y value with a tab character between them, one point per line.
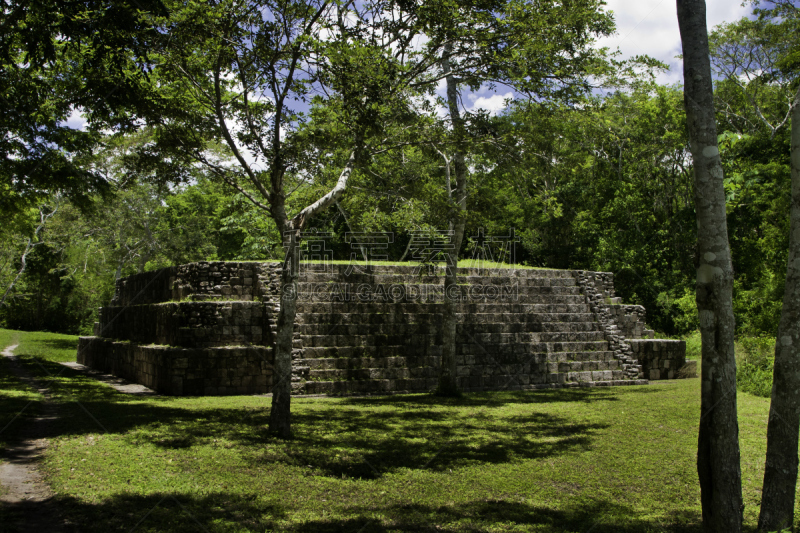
605	460
462	263
19	401
50	346
8	337
693	346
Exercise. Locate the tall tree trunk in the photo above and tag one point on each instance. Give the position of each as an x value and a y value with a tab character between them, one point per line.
448	379
780	471
718	442
280	422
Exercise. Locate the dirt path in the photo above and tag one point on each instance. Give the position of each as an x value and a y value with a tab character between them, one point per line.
26	500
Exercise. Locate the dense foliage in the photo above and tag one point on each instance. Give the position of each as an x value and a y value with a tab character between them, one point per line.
604	184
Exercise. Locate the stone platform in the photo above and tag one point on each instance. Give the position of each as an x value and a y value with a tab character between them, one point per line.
208	329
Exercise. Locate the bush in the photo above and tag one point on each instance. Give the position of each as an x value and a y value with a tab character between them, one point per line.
693	345
755	359
686	311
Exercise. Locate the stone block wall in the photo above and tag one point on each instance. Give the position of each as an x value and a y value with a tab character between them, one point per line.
205	280
182	371
660	358
630	319
189	324
145	288
219	280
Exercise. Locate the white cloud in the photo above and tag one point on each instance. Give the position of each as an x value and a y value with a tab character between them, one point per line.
643	28
651	28
493	104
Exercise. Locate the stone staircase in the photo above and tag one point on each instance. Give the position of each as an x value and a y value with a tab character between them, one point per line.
520	329
208	328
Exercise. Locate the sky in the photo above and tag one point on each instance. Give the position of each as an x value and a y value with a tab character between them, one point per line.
643	27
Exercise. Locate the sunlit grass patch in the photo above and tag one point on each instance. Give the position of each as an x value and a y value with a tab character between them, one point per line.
49	346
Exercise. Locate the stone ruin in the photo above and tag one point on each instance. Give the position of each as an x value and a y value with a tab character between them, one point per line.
208	328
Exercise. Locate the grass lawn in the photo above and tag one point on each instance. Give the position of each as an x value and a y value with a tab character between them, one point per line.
599	460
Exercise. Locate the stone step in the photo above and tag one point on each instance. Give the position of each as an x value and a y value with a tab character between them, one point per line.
333	340
583	366
602	360
533	327
369	386
335	294
523	317
351	285
496	352
523	332
543	320
478	346
365	374
533	281
564	357
331	363
526	337
429	355
312	352
415	308
400	368
502	342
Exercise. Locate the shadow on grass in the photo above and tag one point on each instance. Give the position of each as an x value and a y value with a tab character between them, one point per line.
18	402
217	512
59	344
364	444
364	438
490	399
352	438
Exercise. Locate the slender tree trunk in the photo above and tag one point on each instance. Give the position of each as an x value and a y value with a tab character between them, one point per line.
24	263
448	379
29	246
408	247
718	442
780	471
280	422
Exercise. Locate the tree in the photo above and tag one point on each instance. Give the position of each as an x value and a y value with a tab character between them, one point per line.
58	58
780	471
747	54
539	48
761	95
602	186
718	463
255	74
